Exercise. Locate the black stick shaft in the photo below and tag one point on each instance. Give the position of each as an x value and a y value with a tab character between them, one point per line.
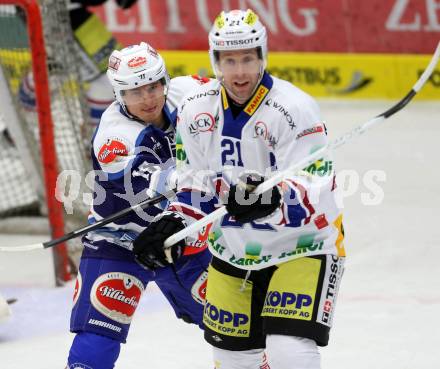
79	232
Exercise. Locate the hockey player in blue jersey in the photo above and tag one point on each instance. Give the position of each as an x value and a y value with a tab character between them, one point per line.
133	151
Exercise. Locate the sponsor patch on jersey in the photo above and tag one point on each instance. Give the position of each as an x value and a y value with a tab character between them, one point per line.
256	100
116	295
282	110
293	289
77	290
113	148
198	290
137	62
261	130
319	128
330	287
231	315
203	122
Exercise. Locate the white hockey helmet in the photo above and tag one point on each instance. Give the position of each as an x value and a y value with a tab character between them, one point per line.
237	30
135	66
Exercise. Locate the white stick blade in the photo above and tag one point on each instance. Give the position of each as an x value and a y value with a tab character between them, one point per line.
34	246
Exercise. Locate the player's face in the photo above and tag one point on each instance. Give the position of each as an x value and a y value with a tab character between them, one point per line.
146	102
241	71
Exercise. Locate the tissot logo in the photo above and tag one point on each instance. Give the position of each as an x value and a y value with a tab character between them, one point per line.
234	42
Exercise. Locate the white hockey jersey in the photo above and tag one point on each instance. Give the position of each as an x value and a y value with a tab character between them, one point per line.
280	125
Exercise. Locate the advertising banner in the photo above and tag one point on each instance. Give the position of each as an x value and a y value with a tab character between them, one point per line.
374	76
374	26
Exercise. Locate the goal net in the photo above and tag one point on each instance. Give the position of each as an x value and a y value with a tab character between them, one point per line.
43	130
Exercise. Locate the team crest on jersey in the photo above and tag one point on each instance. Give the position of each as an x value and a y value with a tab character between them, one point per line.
116	295
203	122
113	148
198	290
137	62
77	291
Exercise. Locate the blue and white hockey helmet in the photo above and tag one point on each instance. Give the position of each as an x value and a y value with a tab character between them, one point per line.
135	66
237	30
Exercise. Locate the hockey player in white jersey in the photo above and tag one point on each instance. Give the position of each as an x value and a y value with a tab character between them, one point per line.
133	155
277	257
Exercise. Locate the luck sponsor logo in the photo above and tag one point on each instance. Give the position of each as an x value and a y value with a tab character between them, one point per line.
203	122
261	130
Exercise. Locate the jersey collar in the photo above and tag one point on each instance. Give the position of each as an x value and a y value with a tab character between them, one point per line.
232	127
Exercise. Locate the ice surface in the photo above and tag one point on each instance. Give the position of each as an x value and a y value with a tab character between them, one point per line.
387	313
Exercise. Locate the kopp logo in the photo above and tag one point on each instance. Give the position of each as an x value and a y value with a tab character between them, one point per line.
224	316
275	299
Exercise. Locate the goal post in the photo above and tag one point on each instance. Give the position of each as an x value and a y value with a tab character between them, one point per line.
36	48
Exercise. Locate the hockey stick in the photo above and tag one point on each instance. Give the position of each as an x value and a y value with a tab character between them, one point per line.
79	232
277	178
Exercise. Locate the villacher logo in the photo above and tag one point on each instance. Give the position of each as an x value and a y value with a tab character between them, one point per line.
117	295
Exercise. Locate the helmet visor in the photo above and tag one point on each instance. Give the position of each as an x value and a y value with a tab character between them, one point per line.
143	93
239	61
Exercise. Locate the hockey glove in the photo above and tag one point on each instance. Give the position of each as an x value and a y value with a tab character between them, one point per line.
245	206
148	247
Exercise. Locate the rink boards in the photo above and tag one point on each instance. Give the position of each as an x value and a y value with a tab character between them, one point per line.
359	76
